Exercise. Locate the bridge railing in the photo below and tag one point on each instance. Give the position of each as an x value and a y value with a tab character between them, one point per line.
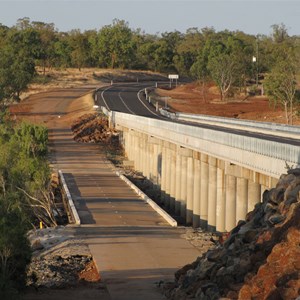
266	156
253	126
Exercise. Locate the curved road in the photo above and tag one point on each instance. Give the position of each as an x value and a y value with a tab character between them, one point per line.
130	98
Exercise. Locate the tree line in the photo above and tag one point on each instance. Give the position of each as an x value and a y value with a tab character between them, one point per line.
229	58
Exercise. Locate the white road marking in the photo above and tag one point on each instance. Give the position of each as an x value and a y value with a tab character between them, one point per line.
102	96
138	95
126	104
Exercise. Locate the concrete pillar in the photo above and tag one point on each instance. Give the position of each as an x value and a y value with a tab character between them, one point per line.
147	159
230	215
155	165
163	174
125	139
254	195
178	184
136	152
204	192
196	193
212	194
130	145
151	163
241	199
172	180
183	188
221	208
168	177
189	191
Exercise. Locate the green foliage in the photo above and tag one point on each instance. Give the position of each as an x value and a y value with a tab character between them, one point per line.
115	44
17	67
281	86
15	252
224	57
24	171
22	162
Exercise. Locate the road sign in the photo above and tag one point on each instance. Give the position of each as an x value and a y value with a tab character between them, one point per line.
173	76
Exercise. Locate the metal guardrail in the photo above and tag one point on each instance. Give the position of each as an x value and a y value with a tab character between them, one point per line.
70	204
253	126
268	157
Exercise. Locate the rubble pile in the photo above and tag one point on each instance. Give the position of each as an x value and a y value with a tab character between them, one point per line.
57	272
260	259
58	260
93	128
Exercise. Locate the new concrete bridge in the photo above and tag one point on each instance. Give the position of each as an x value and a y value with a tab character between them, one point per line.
211	173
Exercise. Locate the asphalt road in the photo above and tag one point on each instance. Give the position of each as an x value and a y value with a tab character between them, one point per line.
128	98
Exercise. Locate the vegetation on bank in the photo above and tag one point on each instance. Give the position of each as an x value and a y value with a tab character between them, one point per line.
24	184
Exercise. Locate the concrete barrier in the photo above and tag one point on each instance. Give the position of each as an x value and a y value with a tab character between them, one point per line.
70	202
157	208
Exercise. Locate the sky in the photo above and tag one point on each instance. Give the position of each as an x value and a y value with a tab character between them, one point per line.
158	16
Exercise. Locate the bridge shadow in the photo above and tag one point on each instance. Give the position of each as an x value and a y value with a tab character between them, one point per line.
84	213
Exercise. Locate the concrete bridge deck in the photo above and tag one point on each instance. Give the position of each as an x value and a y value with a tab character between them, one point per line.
132	245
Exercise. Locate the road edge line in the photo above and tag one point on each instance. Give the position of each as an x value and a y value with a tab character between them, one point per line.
156	207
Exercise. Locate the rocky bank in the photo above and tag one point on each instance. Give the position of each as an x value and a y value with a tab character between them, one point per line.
260	259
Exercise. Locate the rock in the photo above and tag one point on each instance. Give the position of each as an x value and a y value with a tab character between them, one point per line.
276	218
259	259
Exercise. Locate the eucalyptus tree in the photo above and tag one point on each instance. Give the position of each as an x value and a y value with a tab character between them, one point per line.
281	85
115	44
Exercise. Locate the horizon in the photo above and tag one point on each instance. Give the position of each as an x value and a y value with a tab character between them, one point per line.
156	17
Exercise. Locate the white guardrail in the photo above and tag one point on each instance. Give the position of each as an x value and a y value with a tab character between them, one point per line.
265	156
252	126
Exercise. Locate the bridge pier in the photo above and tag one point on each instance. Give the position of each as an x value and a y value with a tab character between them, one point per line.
172	180
190	191
204	191
196	190
221	200
212	193
178	184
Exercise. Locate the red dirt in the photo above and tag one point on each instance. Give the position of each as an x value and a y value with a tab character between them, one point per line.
90	273
190	99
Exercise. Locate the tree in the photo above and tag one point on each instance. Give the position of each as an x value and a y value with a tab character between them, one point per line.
17	68
200	71
116	48
15	252
165	51
222	68
187	51
280	86
24	170
47	35
79	49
